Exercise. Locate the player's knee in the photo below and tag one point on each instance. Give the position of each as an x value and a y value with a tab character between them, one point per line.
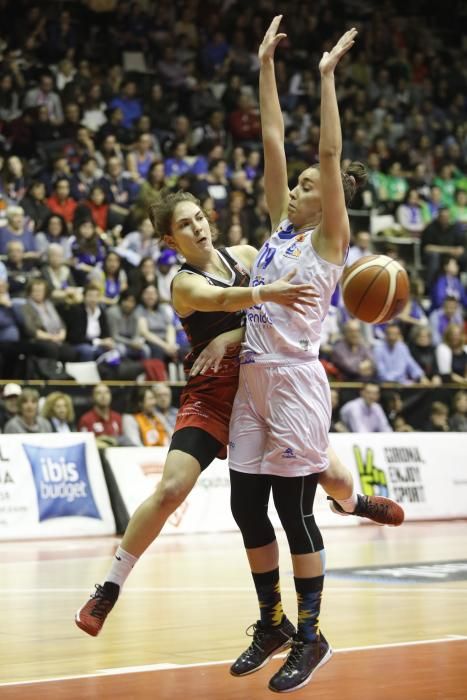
303	534
171	492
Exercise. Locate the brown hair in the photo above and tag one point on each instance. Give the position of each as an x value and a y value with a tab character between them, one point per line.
162	211
354	177
49	405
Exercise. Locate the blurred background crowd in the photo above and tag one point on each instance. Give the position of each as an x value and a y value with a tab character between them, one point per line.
106	106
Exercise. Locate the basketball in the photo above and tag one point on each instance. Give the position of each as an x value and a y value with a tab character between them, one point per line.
375	288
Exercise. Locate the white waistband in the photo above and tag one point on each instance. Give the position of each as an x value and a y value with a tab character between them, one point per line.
271	359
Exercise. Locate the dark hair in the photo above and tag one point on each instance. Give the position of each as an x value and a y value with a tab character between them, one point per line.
161	212
354	177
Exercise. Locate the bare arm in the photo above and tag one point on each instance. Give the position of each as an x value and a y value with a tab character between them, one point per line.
272	128
333	234
211	356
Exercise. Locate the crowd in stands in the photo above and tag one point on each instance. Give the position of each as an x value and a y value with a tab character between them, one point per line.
107	106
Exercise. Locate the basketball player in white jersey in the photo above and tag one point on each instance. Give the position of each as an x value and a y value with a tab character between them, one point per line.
282	410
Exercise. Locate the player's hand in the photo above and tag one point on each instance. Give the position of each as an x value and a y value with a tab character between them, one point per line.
210	358
330	59
282	291
271	40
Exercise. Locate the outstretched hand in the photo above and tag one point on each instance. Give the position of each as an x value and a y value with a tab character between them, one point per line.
296	296
330	59
271	39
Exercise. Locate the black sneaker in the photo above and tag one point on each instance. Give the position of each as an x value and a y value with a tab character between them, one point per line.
303	660
383	511
267	641
92	615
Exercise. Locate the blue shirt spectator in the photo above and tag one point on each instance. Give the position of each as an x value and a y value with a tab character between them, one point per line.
394	363
441	318
365	414
128	103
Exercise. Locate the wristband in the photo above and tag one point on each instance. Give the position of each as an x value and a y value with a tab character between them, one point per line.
256	295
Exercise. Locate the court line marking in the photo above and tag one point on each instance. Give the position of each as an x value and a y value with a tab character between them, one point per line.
122	670
372	587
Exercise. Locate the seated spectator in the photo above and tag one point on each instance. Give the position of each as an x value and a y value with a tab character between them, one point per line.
141	158
85	178
413	314
43	326
61	202
449	313
54	230
458	419
423	352
394	363
167	267
438	421
60	278
400	425
28	419
337	425
155	325
9	330
459	209
16	230
9	405
59	411
88	252
20	270
101	420
412	215
352	357
44	94
87	326
360	248
13	181
442	238
95	207
244	122
144	275
145	427
448	284
451	355
128	102
365	414
164	408
123	328
139	244
120	189
34	205
114	278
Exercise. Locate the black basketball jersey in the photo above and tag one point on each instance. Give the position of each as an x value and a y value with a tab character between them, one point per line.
202	326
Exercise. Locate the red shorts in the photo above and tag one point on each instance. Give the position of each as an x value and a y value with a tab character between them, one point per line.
206	403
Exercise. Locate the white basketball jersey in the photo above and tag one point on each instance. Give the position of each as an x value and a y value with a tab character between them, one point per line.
277	334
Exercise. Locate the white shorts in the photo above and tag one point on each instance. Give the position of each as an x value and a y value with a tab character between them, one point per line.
280	420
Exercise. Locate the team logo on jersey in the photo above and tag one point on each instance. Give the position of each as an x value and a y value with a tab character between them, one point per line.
293	251
304	344
288	453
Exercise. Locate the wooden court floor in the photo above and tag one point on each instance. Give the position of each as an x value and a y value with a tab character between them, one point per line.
182	618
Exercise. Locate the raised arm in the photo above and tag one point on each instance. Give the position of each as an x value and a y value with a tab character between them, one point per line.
334	230
272	127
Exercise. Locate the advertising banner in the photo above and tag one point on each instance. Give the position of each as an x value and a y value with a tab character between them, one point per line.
52	485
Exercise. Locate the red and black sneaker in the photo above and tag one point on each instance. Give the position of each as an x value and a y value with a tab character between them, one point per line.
381	510
91	617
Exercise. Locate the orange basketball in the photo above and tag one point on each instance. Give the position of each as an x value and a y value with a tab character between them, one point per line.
375	288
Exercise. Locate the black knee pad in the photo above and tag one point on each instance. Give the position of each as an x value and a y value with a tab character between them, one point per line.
249	505
303	534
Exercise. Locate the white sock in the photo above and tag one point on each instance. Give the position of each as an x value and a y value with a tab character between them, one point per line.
122	564
348	504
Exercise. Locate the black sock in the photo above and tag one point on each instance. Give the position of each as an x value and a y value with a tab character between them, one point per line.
269	597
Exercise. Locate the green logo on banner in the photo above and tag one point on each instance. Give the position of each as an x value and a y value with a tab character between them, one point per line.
373	480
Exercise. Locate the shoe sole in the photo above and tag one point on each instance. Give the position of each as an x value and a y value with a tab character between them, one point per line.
82	626
324	660
286	645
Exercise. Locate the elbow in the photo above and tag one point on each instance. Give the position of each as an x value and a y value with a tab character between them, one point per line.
330	152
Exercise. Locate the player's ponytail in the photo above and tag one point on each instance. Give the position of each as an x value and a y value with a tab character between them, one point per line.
354	178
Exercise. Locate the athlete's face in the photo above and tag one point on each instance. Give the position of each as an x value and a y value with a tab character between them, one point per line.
305	199
191	233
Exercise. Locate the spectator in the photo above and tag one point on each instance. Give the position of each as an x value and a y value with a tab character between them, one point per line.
155	325
87	326
119	187
448	284
142	157
34	204
114	278
59	277
167	268
152	189
9	406
87	175
144	275
123	327
20	270
394	363
412	215
361	247
44	94
95	207
88	251
337	426
365	414
139	244
16	230
59	411
42	324
164	408
244	123
400	425
54	230
451	355
440	319
442	238
413	314
352	357
438	421
145	427
101	420
128	103
28	419
423	352
458	419
60	202
9	330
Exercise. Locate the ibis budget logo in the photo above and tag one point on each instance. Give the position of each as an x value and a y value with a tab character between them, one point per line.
62	481
373	480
